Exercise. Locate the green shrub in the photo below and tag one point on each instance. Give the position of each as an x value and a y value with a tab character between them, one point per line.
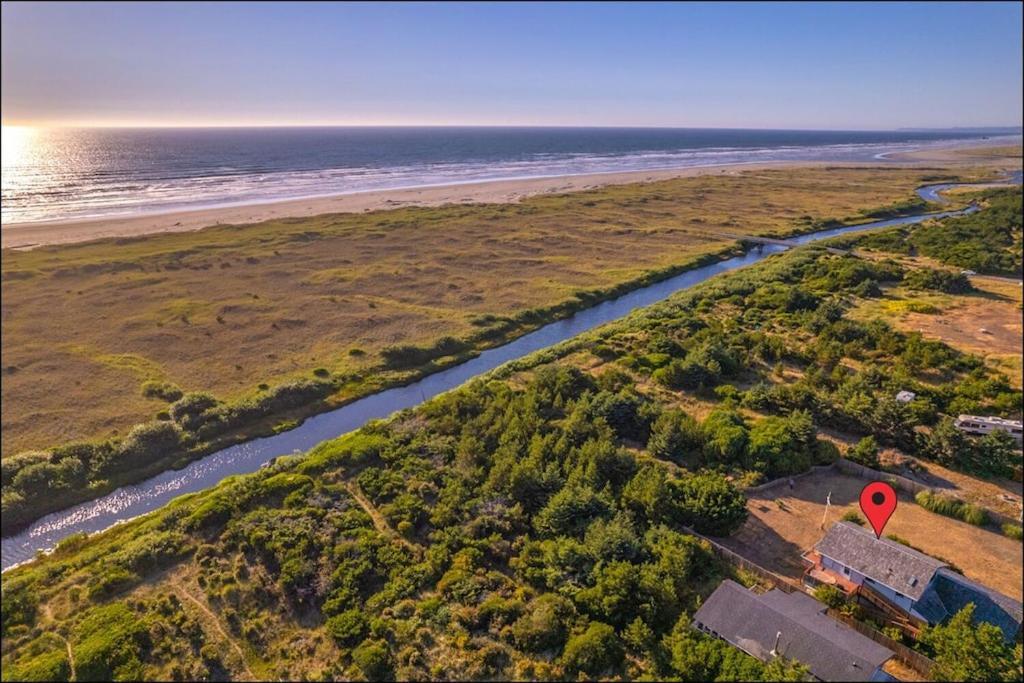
108	643
348	627
1012	531
111	581
545	623
853	516
147	443
711	504
941	280
187	410
865	452
951	507
373	659
408	356
165	391
43	659
830	595
594	651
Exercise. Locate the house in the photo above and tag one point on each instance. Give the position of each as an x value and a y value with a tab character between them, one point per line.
973	424
911	588
791	625
905	396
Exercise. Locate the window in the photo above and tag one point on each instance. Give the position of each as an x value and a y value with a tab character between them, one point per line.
846	570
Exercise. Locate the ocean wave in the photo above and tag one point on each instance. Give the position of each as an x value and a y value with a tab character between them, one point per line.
53	191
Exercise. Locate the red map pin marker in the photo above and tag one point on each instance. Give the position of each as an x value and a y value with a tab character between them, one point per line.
878	502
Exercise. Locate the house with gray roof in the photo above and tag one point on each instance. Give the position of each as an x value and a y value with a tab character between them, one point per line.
899	579
794	626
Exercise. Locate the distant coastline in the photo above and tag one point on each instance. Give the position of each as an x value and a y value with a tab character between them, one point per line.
29	235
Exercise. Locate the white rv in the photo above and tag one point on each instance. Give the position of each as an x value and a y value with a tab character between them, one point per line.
973	424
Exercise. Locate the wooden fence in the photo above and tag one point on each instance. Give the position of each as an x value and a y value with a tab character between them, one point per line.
912	658
902	483
783	583
910	486
782	480
899	482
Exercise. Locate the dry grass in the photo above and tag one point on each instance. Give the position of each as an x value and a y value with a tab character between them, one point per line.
986	322
229	307
783	523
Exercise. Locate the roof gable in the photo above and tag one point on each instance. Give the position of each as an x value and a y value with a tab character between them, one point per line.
892	564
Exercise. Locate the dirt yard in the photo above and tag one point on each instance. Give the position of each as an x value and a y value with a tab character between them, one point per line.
784	523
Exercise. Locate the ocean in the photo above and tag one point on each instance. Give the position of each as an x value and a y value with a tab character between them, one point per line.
68	174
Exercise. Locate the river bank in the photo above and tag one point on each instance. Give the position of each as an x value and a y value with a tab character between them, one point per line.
131	501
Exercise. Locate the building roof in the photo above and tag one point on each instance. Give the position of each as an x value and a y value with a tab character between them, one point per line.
751	622
994	421
887	562
951	592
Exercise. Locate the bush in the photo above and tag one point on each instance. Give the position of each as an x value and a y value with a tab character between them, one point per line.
108	644
43	659
165	391
545	624
408	356
677	437
594	651
147	443
951	507
187	410
865	452
1012	531
373	659
348	627
830	595
712	505
941	280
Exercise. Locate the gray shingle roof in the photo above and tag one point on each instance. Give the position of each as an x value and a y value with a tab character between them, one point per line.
832	651
950	592
890	563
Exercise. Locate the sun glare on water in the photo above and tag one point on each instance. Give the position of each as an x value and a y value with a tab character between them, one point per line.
16	142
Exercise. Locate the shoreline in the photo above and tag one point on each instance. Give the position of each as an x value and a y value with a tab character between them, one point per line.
499	191
35	234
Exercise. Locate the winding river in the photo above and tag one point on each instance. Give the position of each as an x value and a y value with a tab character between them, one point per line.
131	501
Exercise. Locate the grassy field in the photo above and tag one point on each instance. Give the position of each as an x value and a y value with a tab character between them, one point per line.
230	308
985	322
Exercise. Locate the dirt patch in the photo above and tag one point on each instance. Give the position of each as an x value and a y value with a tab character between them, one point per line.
786	522
982	327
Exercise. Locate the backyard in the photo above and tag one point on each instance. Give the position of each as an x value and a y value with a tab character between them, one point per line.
786	522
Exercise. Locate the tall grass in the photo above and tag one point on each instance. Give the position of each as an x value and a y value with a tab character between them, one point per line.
952	507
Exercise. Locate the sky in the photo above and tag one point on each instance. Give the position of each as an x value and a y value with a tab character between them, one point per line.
802	65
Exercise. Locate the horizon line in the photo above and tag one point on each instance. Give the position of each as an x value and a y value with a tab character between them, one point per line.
112	126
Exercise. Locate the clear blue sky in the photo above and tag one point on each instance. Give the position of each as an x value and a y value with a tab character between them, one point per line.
723	65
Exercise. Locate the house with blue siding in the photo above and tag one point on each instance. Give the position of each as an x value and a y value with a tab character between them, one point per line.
912	588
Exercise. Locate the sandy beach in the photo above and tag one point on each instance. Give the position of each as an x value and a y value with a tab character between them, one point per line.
30	235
